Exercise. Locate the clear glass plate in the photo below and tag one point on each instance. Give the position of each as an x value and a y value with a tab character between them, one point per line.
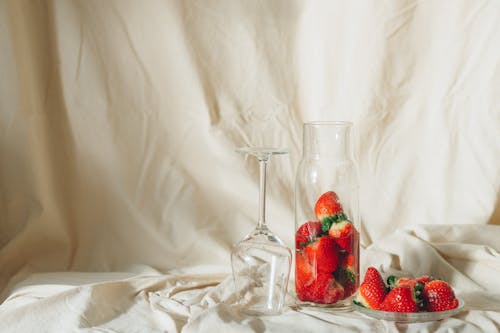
415	317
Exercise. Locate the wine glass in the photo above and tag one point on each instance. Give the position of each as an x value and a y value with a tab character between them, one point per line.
261	261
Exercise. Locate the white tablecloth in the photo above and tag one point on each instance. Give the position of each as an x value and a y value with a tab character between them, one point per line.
202	299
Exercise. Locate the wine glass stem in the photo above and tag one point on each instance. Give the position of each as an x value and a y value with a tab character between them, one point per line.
262	194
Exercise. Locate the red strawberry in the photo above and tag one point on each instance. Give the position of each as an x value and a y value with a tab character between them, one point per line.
348	261
306	232
327	205
304	274
400	299
324	289
424	279
346	273
407	282
345	234
349	288
394	282
372	290
439	296
323	254
341	229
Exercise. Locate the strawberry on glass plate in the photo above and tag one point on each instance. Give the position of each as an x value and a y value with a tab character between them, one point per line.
409	317
406	300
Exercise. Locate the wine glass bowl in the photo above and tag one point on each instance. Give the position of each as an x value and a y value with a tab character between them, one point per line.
261	261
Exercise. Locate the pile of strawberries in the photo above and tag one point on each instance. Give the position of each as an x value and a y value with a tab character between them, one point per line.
326	260
405	294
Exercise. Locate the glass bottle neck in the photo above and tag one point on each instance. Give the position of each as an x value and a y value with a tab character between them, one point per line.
327	140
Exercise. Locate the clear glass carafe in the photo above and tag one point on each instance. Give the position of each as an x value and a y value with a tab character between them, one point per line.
326	217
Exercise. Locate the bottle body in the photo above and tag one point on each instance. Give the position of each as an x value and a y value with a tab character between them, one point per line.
326	217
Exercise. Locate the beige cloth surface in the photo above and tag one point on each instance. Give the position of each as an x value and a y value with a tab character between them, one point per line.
119	120
202	298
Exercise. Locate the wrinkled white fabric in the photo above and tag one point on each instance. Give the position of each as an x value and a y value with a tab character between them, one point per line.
118	125
202	299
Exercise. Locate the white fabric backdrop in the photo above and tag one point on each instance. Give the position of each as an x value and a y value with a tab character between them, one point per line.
119	120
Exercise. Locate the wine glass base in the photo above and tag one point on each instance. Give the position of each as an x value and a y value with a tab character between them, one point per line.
260	312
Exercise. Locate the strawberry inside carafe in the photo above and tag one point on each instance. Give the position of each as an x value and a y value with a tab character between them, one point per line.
327	261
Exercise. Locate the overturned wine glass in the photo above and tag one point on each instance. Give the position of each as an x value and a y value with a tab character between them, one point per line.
261	261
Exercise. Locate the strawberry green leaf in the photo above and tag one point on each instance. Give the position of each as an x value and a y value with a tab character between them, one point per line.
325	225
304	244
328	221
359	303
342	275
391	282
418	294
